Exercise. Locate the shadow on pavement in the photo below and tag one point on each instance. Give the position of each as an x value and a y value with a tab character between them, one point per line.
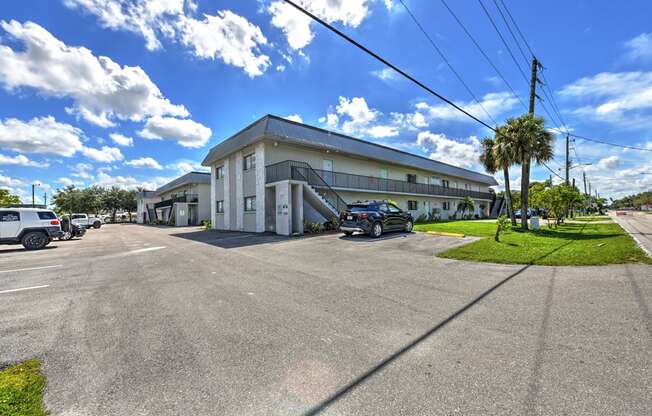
231	239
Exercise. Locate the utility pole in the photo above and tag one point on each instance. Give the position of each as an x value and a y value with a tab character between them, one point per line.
525	164
584	177
33	187
567	159
589	188
45	199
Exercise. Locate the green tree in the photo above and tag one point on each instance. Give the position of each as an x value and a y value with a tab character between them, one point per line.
466	204
6	198
529	140
497	155
128	202
112	200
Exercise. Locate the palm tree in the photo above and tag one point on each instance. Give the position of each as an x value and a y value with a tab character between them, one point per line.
529	140
497	154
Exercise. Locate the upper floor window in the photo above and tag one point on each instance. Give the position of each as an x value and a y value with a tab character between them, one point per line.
219	172
219	207
445	183
411	178
249	162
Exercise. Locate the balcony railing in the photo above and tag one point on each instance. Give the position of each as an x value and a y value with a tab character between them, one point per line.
338	180
182	198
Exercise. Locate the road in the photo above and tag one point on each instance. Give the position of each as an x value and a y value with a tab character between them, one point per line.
639	226
137	320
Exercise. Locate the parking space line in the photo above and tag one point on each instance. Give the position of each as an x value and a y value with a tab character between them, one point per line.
127	253
30	268
23	288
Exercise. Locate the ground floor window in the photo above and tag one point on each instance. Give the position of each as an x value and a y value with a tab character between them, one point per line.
220	207
250	203
446	206
412	205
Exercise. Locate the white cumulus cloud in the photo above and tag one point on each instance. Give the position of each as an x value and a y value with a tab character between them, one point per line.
450	151
144	162
105	155
297	26
639	48
186	132
21	160
121	140
101	89
40	135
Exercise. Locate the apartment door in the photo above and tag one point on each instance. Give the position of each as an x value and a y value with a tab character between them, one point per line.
328	171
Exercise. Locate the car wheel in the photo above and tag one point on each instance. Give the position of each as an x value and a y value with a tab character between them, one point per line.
97	225
408	226
67	235
35	240
376	230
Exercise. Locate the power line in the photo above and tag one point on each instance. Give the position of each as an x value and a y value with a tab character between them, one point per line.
518	44
553	172
386	62
517	28
624	146
483	53
486	12
443	57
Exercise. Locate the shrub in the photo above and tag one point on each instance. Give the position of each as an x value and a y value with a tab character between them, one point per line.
503	225
421	219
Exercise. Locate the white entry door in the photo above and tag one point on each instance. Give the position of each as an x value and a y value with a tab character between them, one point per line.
328	171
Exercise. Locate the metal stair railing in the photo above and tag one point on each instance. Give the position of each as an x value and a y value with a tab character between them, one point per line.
303	171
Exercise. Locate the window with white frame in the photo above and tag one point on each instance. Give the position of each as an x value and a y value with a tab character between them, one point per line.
446	206
219	207
250	203
445	183
249	162
412	205
219	172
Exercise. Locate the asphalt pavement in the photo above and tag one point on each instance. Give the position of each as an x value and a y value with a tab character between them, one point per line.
639	226
137	320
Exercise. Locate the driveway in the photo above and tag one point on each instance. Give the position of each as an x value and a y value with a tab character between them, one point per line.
639	226
136	320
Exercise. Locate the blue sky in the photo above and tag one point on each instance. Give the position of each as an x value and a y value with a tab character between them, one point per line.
134	93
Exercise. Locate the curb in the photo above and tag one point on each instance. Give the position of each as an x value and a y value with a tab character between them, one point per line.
445	234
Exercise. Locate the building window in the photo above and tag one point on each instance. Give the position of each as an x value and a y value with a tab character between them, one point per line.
219	172
412	205
466	186
249	162
446	206
411	178
445	183
250	203
219	207
384	173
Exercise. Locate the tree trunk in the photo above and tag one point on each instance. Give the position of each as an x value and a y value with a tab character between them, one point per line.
508	197
525	188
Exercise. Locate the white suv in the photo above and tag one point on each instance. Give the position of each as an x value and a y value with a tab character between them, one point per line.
34	228
86	220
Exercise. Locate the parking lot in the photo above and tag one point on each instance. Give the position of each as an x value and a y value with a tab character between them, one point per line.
145	320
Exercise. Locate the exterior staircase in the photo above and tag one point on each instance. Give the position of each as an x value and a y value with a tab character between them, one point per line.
497	208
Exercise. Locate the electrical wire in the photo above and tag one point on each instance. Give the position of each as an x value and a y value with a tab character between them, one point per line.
445	59
486	12
483	53
511	32
386	62
517	28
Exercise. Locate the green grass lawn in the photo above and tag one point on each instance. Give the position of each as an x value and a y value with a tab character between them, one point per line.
567	245
21	390
593	218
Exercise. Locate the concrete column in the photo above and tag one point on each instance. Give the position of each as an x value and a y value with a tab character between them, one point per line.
213	202
227	195
239	195
283	208
260	187
297	208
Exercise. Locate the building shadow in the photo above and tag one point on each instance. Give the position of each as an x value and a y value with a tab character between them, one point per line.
232	239
367	239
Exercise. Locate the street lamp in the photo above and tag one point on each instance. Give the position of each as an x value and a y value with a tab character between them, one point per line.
34	185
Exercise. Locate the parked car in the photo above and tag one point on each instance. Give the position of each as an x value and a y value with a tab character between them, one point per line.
86	220
34	228
374	218
517	213
71	230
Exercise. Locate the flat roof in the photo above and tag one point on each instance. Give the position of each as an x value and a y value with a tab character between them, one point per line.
188	178
283	130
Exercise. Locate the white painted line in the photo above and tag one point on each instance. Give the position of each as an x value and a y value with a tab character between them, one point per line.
23	288
30	268
128	253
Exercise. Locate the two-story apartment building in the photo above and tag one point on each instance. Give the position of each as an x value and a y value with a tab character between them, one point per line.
183	201
276	173
145	201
